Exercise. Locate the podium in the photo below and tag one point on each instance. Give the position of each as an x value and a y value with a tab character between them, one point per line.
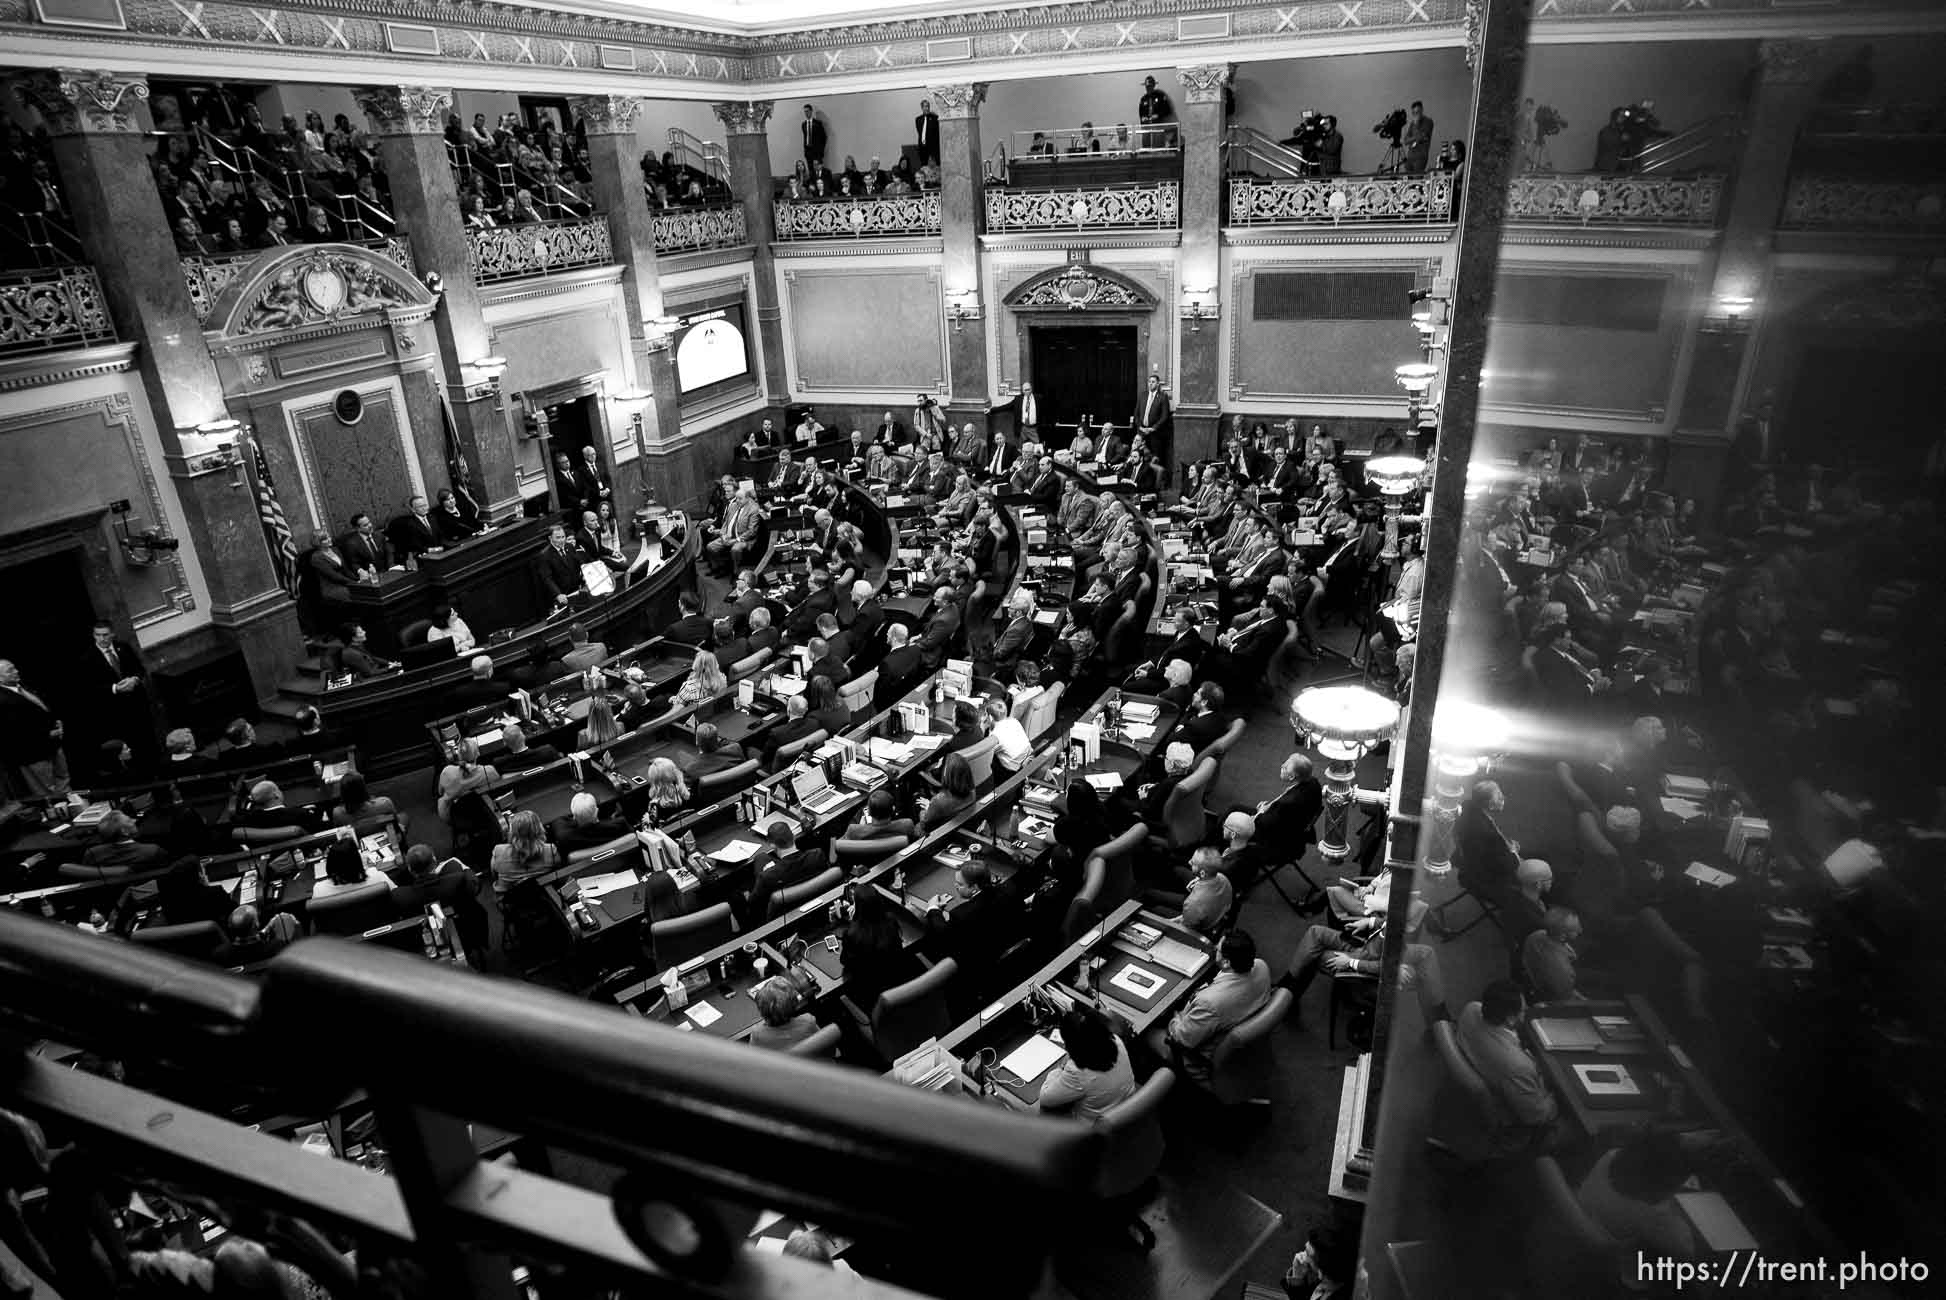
490	578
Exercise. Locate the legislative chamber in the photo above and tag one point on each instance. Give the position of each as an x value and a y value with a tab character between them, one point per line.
655	645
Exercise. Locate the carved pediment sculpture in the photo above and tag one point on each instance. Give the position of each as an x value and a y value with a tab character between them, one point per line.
321	286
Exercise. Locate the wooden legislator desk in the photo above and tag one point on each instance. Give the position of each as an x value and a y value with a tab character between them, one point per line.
491	577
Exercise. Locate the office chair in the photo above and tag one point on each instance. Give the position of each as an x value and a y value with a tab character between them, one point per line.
1185	823
1242	1063
1568	1252
1036	714
677	940
1125	1180
785	899
354	911
619	854
857	693
822	1045
979	757
721	785
788	754
908	1014
749	664
198	940
854	855
1219	748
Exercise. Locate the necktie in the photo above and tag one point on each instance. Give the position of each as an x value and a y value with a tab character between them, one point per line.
108	653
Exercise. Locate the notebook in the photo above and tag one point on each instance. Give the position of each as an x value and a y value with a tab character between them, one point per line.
1567	1034
1032	1058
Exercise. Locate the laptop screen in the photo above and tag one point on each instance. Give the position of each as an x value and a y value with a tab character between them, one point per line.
807	785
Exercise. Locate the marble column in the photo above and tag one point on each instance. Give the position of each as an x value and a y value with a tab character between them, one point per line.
117	213
745	121
962	200
410	122
644	465
1201	125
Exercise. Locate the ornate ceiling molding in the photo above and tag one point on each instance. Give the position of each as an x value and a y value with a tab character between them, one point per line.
1205	83
607	114
74	102
744	116
961	100
405	110
316	286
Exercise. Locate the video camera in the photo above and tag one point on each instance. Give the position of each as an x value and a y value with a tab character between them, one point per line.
1391	126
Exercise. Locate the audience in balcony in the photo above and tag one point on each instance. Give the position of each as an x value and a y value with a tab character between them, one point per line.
1417	138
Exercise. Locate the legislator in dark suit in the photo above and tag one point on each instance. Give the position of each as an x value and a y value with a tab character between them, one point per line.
812	131
362	552
571	836
559	569
452	525
411	534
109	713
693	629
1291	819
866	645
1153	419
897	673
926	127
26	728
977	931
940	629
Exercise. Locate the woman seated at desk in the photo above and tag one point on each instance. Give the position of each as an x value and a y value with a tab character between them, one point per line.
666	796
872	946
601	727
785	1021
705	680
447	625
955	795
450	521
466	774
525	855
357	805
347	872
1096	1076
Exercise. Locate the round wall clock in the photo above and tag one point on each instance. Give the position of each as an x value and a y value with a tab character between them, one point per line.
325	288
348	406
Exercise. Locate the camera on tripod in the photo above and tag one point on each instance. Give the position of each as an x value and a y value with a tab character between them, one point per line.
1391	127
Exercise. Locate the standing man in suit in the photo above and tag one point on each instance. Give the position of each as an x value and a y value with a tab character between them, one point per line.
1417	138
813	131
594	483
364	551
571	493
30	737
1030	415
927	127
559	567
1152	417
118	699
413	533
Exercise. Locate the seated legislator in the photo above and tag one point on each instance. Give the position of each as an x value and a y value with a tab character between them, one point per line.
447	625
266	820
187	896
452	521
1239	990
180	756
900	670
584	827
797	724
347	872
559	567
248	938
465	775
601	727
525	854
116	849
956	793
356	802
522	757
790	864
478	689
365	552
415	532
713	753
1096	1076
1490	1040
691	628
785	1022
353	655
977	928
879	819
591	545
584	652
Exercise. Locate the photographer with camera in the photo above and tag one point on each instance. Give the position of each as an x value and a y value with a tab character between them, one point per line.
1331	147
1307	140
1391	129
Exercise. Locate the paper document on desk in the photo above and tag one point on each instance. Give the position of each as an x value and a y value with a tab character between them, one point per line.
926	744
1104	782
736	851
1703	873
1143	984
1139	730
1033	1058
1180	957
703	1014
1566	1034
596	886
1681	809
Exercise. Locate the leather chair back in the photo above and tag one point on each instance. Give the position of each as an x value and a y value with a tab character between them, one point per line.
1242	1064
354	911
859	853
676	941
979	757
748	664
1183	818
1116	884
908	1014
1483	1111
1570	1253
788	754
857	693
1218	748
1037	714
785	899
198	939
1135	1142
823	1044
720	785
620	853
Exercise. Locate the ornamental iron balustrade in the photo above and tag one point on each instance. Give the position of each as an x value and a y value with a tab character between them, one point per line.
539	248
206	277
59	307
1329	200
1840	203
1153	206
720	225
1616	200
859	218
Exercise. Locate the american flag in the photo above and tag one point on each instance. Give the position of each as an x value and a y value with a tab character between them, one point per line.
457	469
277	533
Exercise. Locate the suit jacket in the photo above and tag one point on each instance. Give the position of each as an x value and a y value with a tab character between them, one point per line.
1005	456
696	630
940	485
93	670
784	733
768	639
1292	816
939	631
560	574
1077	513
1152	414
811	132
721	759
866	620
831	667
782	872
782	475
896	673
1199	729
978	930
1045	489
1013	639
1486	861
452	884
411	535
362	554
571	836
803	621
926	125
571	494
916	478
328	571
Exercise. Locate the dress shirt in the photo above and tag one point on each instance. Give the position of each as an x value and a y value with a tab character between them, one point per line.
1509	1072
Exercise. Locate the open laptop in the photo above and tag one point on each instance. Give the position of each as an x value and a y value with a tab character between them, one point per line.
815	792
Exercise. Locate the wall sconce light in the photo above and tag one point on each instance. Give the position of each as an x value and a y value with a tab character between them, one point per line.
227	453
1730	314
1199	305
1416	378
144	548
962	305
486	372
660	332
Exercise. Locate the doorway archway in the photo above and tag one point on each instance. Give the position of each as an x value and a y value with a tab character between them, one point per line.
1082	332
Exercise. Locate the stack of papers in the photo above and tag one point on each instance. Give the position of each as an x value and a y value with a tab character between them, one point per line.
1567	1034
736	851
596	886
1688	787
1104	782
1033	1058
1681	809
1139	730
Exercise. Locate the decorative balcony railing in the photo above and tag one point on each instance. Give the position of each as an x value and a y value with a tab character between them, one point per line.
1841	203
208	276
539	248
1593	199
860	218
58	307
720	225
1151	206
1333	200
